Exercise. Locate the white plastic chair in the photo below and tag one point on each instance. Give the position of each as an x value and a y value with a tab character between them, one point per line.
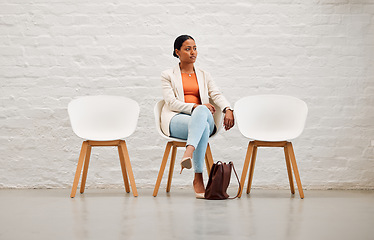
176	142
271	121
103	121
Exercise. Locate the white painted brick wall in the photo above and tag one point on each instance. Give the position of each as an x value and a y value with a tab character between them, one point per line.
53	51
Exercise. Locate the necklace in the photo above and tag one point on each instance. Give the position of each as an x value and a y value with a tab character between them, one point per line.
189	74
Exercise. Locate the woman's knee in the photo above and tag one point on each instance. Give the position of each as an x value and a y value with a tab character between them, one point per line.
201	109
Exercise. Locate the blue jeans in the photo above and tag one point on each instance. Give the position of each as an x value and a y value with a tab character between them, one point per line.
196	129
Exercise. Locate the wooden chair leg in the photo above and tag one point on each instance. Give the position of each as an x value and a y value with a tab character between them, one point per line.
245	167
251	169
85	168
79	168
295	170
171	169
208	159
289	170
129	168
123	168
162	168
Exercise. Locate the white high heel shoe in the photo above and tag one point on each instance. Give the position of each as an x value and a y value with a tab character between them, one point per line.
186	163
198	195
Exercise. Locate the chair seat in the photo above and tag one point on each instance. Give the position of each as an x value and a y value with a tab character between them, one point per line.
173	139
103	118
271	117
104	137
274	136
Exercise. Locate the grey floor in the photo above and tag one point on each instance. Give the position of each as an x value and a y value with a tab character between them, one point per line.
113	214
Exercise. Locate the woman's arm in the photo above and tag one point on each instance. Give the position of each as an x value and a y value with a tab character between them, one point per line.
221	101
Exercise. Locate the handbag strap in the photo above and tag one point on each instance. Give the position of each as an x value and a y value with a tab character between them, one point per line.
239	190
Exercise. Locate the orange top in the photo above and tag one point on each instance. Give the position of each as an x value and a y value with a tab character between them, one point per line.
191	88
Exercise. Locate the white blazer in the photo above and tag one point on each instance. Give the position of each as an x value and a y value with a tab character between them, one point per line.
173	93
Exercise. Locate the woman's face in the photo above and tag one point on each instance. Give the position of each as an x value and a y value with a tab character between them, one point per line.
188	52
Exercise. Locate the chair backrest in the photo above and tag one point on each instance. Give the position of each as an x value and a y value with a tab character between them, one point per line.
157	112
103	118
271	117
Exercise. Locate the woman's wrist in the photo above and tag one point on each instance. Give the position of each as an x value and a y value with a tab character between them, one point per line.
228	109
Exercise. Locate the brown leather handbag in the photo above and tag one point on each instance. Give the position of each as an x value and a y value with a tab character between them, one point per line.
219	180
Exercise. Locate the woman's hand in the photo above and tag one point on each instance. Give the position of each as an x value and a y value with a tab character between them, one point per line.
211	108
228	121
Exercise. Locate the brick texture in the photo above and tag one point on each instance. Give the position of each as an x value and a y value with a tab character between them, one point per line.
54	51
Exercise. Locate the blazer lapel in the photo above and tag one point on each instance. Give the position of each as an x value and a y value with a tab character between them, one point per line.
200	82
178	82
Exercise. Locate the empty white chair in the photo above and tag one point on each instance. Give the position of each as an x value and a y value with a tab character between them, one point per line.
103	121
271	121
176	142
